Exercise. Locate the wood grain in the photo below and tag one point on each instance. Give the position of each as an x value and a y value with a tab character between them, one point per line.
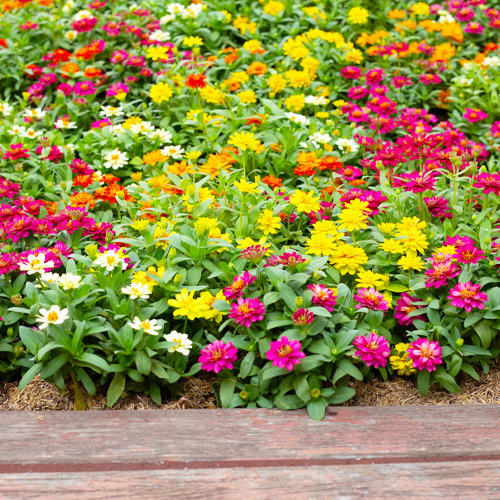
228	438
471	481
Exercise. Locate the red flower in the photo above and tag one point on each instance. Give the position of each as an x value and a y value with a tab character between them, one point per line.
196	81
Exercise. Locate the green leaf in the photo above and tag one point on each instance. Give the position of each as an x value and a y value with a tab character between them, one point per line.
54	365
247	364
472	318
447	381
30	339
349	368
30	375
288	295
93	361
397	288
342	394
115	389
423	380
316	409
484	332
143	363
226	391
302	388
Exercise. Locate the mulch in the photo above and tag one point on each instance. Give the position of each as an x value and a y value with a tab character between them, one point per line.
198	394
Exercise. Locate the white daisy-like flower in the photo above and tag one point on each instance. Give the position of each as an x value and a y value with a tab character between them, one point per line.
34	113
115	159
137	291
69	281
297	118
183	343
316	100
63	123
347	145
49	278
71	35
142	128
164	135
174	152
16	130
175	8
6	108
31	133
168	18
150	326
192	11
321	138
159	36
55	316
36	263
110	259
111	111
83	14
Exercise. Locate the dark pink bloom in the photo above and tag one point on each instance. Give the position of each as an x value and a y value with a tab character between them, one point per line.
404	306
302	317
401	81
469	254
217	356
467	296
458	241
323	296
84	88
438	207
428	79
239	284
371	299
247	311
117	88
373	350
474	115
291	259
16	152
374	76
489	183
351	72
415	182
474	28
425	354
8	262
19	227
285	353
84	25
465	14
440	273
9	189
28	25
253	252
357	92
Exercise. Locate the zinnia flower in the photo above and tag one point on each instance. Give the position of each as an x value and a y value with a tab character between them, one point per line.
55	316
425	354
217	356
323	296
247	311
373	350
404	306
371	299
467	296
285	353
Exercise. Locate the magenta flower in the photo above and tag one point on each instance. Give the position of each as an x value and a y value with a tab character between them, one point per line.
323	296
16	152
247	311
371	299
467	296
351	72
440	273
253	252
474	115
240	282
474	28
469	254
488	183
438	207
404	306
285	353
217	356
373	350
428	79
302	317
84	88
425	354
291	259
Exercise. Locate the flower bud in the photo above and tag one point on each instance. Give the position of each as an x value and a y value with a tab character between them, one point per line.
315	393
17	299
63	185
109	237
178	279
91	251
299	302
335	352
10	332
18	350
460	342
244	395
172	253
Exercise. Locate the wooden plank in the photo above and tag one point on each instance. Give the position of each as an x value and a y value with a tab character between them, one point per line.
45	441
464	481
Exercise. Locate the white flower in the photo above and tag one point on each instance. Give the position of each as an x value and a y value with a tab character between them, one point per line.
347	145
462	81
192	11
137	290
166	19
297	118
116	129
316	100
69	281
110	259
36	264
83	14
110	111
491	62
16	130
150	326
62	123
70	148
321	138
31	133
175	8
49	278
159	36
115	159
183	343
55	315
34	113
141	128
174	152
6	108
164	135
71	35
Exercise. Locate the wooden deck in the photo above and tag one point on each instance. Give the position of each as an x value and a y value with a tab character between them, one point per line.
356	452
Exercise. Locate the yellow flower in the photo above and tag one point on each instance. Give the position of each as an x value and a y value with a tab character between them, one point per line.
144	279
299	79
186	305
216	233
247	97
156	53
273	8
409	223
420	9
386	227
414	242
295	102
348	259
248	242
203	224
140	225
160	92
358	15
401	362
192	41
267	223
277	83
369	279
136	176
320	244
247	187
305	202
354	56
193	196
409	261
253	46
208	299
352	220
212	95
192	155
391	246
244	141
326	227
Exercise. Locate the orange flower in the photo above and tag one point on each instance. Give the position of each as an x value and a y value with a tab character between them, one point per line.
358	182
453	31
154	157
257	68
232	84
272	181
109	179
180	168
83	180
196	81
81	200
217	162
69	69
329	162
92	72
109	193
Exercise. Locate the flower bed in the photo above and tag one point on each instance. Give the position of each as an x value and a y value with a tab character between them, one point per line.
287	196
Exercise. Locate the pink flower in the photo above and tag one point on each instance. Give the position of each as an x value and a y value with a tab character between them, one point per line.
217	356
323	296
474	28
239	284
285	353
247	311
488	183
16	152
425	354
84	88
469	254
253	252
302	317
371	299
440	273
351	72
467	295
474	115
428	79
373	350
404	306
